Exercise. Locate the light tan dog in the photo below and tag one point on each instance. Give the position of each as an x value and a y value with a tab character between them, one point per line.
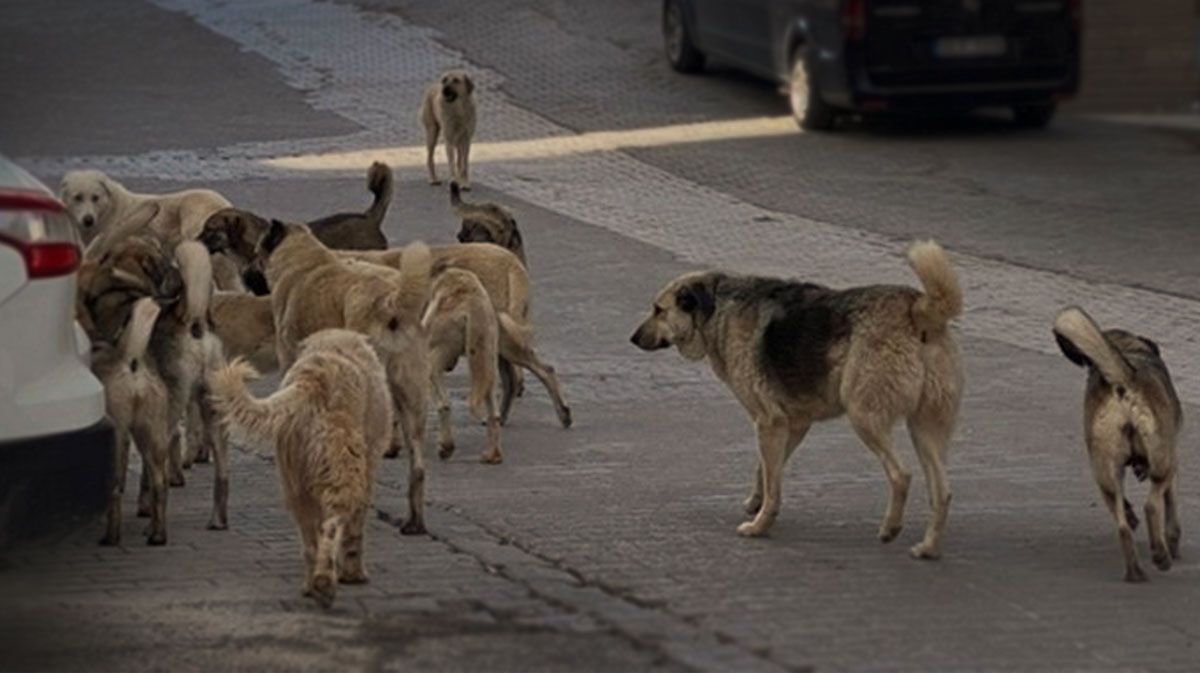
460	321
330	420
181	345
507	284
1131	418
136	400
796	353
487	223
448	109
314	289
246	327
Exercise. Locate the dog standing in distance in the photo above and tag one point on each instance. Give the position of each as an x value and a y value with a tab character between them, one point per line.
448	109
797	353
487	223
460	321
1131	418
330	420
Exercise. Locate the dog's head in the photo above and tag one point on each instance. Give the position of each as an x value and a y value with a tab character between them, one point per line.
680	311
234	232
501	231
456	84
88	196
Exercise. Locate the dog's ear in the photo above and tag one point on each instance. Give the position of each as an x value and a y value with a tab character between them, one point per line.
106	184
470	84
1073	354
274	236
1152	346
514	238
697	298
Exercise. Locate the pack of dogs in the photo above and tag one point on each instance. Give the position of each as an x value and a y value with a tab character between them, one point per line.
186	297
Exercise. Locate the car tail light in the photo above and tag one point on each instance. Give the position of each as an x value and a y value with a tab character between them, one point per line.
35	225
854	19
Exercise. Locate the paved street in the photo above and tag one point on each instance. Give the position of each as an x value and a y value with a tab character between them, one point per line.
611	546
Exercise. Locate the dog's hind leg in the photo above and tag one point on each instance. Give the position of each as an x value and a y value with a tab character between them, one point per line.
351	570
522	355
175	456
198	439
220	443
931	437
112	532
445	432
509	388
154	445
493	455
775	441
1110	477
1174	532
1156	523
329	544
145	501
876	433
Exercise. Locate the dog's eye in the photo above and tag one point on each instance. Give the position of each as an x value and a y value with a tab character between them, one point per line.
95	198
394	324
79	198
658	310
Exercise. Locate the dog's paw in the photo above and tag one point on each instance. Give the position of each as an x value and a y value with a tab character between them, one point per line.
323	590
1173	545
1135	574
201	458
413	527
888	533
752	504
925	551
156	539
353	577
1162	560
435	181
564	417
751	529
177	480
491	458
393	452
143	512
445	450
110	540
217	523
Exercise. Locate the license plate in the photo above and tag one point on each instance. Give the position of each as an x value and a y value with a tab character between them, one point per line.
970	47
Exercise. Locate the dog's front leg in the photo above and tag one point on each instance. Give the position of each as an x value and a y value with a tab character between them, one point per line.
464	157
452	160
1174	532
772	450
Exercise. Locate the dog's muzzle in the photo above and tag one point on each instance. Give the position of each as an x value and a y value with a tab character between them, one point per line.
645	342
213	241
88	221
449	94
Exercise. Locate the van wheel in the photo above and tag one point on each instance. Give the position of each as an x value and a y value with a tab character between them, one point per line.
1033	116
682	53
811	112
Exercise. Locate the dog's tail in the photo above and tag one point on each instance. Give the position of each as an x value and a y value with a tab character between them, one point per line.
943	299
518	332
141	325
195	266
249	417
379	183
456	201
416	267
1084	344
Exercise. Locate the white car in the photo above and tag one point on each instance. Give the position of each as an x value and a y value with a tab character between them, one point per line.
56	445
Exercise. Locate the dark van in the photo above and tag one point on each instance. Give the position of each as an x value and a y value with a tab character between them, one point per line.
838	56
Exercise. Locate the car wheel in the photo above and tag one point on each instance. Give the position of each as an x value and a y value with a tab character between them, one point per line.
682	53
1033	116
810	110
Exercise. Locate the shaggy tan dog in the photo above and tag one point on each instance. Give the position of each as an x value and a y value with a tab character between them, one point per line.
314	289
1132	418
448	108
136	400
460	321
797	353
330	420
246	327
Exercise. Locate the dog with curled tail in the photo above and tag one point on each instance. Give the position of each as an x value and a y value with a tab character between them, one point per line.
329	422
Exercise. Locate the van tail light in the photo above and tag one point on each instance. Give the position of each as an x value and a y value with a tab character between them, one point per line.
854	19
29	215
46	259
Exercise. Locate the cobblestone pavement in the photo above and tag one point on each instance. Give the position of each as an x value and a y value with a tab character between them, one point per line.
611	546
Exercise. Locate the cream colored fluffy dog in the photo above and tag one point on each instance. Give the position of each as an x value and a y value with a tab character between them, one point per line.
460	321
330	420
313	289
448	109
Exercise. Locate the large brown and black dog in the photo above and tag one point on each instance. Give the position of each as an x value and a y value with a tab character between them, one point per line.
1131	418
796	353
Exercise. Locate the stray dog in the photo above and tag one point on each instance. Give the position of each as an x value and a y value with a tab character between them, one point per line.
448	108
1131	418
487	223
796	353
246	327
460	321
360	231
507	284
181	345
314	289
330	420
136	401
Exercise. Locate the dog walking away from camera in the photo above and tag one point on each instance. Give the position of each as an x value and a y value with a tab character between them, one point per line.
796	353
1131	419
329	421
